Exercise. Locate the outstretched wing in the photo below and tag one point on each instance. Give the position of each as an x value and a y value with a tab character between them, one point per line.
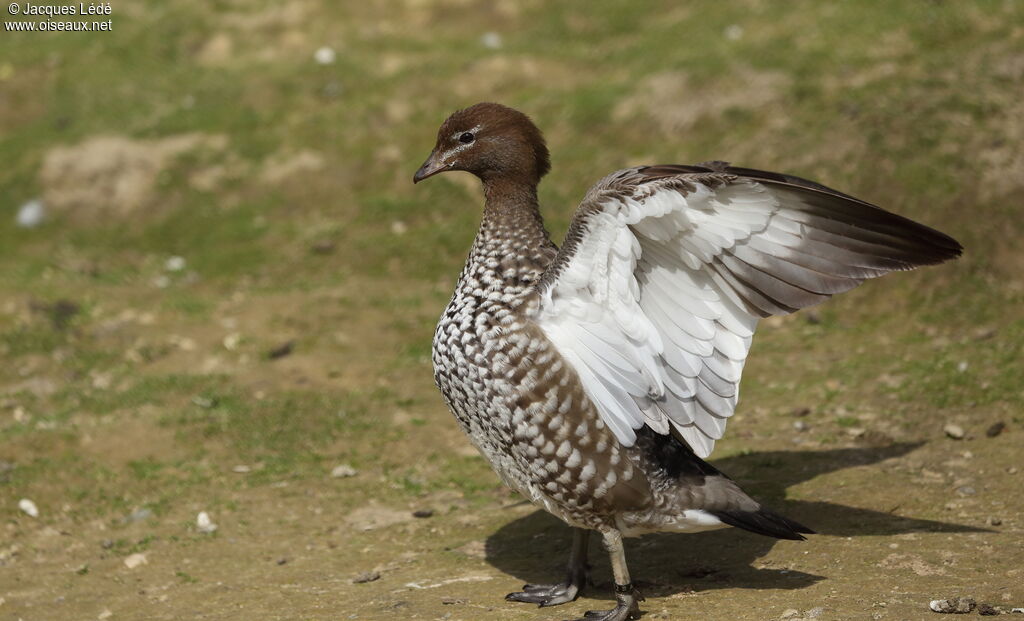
655	295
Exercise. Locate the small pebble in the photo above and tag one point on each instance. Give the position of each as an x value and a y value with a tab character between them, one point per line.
134	560
491	40
174	264
961	366
324	246
448	601
28	507
231	341
106	544
204	523
995	429
954	431
325	56
241	469
801	426
282	561
987	610
733	32
204	402
423	513
106	614
994	521
953	605
343	470
281	350
366	576
966	490
790	613
31	214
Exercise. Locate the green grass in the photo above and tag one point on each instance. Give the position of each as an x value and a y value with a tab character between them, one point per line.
924	94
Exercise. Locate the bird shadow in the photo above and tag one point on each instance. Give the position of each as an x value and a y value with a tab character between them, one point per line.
534	548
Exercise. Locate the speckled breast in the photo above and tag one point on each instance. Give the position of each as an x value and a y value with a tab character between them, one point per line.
475	347
523	407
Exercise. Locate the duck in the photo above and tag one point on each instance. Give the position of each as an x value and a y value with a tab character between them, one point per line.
596	377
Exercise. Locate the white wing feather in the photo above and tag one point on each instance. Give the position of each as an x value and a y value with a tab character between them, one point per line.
656	304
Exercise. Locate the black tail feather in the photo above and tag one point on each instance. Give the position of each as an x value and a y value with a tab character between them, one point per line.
764	522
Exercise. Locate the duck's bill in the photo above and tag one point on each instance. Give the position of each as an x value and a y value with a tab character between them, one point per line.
431	167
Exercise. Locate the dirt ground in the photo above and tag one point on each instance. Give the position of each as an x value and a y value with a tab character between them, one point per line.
904	514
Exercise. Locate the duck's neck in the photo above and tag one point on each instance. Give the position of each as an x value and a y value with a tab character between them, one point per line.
511	210
512	248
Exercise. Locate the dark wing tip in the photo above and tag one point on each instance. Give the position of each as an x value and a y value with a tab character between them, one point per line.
765	522
942	246
927	245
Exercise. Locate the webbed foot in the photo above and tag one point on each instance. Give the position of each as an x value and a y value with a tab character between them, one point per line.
563	592
626	607
547	594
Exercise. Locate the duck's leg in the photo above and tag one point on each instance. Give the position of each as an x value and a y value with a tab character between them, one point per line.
554	594
626	597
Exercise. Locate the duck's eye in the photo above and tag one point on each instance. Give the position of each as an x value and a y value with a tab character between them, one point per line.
467	137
